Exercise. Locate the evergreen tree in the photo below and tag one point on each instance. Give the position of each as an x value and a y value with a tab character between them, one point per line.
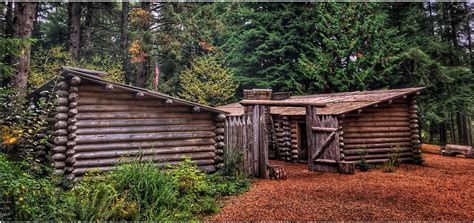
207	82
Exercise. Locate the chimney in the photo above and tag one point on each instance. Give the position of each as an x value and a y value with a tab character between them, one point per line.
258	94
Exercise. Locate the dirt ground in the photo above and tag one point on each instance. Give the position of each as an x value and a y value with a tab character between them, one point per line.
441	189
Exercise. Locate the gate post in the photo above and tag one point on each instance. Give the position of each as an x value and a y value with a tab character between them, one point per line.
311	119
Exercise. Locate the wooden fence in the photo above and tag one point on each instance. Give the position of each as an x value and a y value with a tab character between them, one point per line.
239	142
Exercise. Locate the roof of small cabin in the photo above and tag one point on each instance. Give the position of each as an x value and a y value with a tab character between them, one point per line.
96	77
336	103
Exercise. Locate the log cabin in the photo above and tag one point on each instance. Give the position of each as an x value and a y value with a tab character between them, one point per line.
97	124
370	124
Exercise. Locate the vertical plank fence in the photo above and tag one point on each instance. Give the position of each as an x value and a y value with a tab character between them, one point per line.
239	142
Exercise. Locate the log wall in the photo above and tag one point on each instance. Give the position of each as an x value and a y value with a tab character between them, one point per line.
378	131
98	126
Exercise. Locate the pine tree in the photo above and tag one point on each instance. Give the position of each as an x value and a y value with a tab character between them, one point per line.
207	82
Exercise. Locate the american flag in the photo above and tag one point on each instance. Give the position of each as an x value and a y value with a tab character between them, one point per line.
157	77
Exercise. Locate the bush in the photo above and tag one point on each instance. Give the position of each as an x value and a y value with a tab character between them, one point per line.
23	196
363	165
134	192
141	192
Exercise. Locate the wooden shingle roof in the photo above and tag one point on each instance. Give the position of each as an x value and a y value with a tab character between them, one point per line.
336	103
96	77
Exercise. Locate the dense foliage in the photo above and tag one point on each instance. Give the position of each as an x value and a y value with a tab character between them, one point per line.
303	48
207	82
136	191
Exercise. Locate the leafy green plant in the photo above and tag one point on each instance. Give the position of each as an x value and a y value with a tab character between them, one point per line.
25	196
233	162
363	165
389	166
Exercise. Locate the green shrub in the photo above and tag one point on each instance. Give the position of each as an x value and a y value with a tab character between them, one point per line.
23	196
138	191
363	165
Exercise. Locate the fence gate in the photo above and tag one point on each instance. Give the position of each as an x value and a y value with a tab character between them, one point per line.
323	144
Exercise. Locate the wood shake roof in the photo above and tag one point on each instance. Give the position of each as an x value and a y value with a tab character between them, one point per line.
336	103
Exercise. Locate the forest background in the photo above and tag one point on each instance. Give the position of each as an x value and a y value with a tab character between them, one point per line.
209	52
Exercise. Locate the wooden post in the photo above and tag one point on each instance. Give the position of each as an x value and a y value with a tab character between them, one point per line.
263	148
256	141
311	119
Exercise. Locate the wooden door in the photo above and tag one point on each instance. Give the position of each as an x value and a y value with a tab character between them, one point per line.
323	143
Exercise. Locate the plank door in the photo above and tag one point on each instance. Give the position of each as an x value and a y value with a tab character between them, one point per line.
323	144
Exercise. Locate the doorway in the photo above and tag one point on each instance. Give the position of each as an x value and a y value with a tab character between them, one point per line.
302	142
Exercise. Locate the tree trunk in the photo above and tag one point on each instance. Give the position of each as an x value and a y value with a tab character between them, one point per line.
9	16
123	41
23	25
465	129
74	14
86	36
430	19
453	129
468	30
459	125
143	67
442	134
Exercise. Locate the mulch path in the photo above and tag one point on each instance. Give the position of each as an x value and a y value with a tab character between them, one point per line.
441	189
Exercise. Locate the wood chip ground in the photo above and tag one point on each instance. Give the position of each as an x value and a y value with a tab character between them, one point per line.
441	189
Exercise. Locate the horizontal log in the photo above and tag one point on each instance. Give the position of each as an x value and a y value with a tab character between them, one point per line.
219	131
99	88
72	128
60	125
59	157
73	105
353	135
281	103
62	109
387	109
374	145
141	115
322	129
63	93
204	165
129	108
140	122
59	149
73	97
62	85
106	101
160	158
62	101
220	145
60	132
375	140
382	160
145	144
107	95
376	150
377	156
146	129
375	129
105	138
74	89
375	124
386	114
136	152
75	81
220	118
375	119
59	165
219	138
60	140
72	120
413	116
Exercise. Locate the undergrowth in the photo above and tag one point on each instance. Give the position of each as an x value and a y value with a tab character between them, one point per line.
138	191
